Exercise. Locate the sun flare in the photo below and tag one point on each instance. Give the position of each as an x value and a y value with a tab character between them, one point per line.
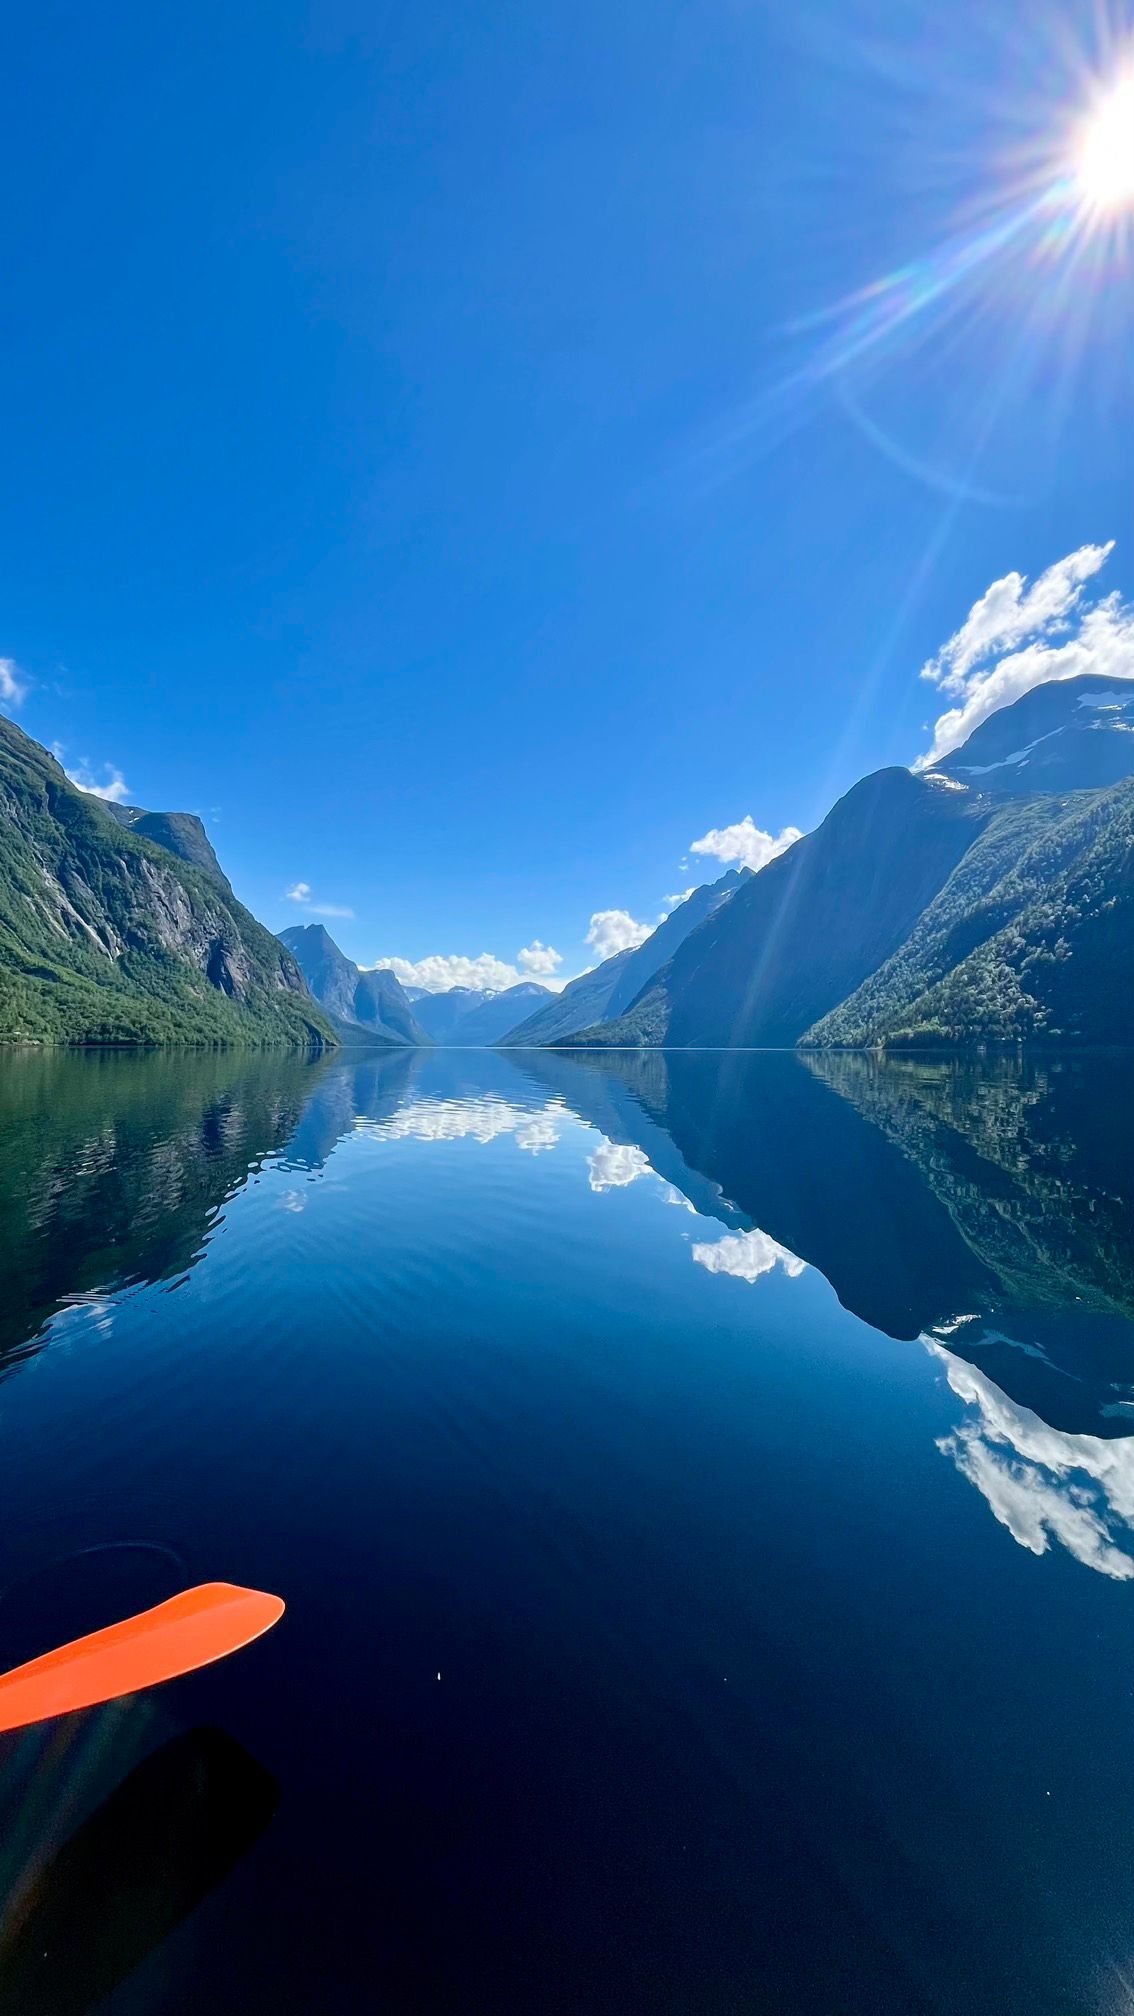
1104	168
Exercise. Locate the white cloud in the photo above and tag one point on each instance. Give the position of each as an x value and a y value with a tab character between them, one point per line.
13	685
441	970
615	1164
301	893
747	1255
1010	611
616	931
539	960
682	896
112	785
1041	1483
746	844
1017	637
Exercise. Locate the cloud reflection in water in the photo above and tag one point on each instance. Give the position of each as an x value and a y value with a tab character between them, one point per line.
1042	1483
748	1255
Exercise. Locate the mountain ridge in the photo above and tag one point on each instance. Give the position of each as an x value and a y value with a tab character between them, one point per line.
365	1005
980	900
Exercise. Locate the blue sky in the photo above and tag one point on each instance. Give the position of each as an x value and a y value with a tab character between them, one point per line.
442	447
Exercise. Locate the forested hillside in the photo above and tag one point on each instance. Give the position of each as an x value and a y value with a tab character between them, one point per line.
107	937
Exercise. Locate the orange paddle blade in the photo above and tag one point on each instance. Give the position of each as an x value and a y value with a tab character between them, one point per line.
190	1630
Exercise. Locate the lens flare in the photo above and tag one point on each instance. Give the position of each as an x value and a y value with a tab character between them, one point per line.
1104	168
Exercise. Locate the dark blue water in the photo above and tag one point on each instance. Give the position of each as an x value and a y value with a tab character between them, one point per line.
703	1494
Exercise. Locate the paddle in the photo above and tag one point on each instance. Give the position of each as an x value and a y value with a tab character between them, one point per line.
189	1630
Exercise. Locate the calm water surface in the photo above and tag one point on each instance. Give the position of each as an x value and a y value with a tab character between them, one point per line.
703	1493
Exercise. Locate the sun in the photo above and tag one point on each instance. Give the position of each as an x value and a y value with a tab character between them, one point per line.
1104	164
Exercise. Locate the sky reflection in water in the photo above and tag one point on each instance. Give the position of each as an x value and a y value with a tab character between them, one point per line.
732	1434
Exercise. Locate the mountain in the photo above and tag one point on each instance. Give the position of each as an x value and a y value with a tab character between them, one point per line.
582	1002
661	944
1070	735
1031	938
499	1014
476	1015
380	1003
603	993
107	937
441	1014
801	935
180	833
988	899
367	1006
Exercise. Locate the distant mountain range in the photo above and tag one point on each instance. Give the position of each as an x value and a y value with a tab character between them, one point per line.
475	1015
370	1007
988	899
114	929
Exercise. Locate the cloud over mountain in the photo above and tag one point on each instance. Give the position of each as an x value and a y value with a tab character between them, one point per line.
13	687
112	785
1019	636
439	971
539	961
616	931
745	843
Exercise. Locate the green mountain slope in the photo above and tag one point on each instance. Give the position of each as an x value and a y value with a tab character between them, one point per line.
1031	940
1031	935
107	937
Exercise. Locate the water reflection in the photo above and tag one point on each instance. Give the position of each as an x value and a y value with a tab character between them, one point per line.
987	1206
585	1431
983	1207
614	1164
1041	1483
113	1169
746	1256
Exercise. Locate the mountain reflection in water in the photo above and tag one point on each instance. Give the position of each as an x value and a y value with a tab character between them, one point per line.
661	1635
985	1207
